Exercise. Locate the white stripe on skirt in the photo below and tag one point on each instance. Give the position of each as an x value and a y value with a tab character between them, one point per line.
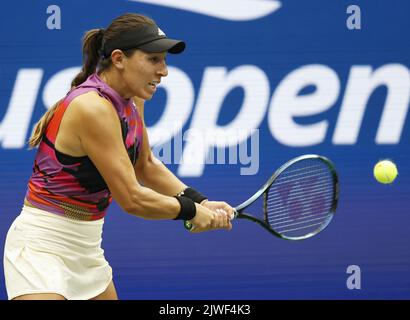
48	253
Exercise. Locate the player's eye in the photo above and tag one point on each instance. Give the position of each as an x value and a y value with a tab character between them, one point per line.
154	59
157	59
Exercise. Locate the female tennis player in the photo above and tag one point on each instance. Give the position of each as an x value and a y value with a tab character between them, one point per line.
92	147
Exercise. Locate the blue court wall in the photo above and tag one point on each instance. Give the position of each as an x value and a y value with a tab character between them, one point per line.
291	78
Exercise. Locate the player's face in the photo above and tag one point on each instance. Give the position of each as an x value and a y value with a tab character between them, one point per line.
143	72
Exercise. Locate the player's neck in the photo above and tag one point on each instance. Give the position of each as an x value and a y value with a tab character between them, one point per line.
114	80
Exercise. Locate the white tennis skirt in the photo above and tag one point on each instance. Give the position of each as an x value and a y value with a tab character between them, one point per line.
48	253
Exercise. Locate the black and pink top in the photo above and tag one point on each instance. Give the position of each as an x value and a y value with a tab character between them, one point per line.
72	186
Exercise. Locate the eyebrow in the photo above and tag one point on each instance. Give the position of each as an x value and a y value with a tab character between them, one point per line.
158	55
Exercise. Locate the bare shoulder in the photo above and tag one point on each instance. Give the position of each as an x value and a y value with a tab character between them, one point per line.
91	105
96	119
87	116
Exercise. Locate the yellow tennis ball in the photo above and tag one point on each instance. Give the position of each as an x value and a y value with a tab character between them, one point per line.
385	171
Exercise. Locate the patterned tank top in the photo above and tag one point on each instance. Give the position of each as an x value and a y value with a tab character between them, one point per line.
72	186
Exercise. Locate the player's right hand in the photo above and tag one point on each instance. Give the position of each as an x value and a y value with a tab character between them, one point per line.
206	219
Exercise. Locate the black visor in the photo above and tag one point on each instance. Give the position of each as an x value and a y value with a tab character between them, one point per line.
148	38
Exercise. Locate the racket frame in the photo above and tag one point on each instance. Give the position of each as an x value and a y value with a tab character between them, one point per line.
239	210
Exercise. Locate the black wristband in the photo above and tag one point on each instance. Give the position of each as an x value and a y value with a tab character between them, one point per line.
193	195
188	209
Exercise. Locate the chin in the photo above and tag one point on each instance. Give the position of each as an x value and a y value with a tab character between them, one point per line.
146	96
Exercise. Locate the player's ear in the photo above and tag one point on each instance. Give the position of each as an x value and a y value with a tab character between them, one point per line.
117	58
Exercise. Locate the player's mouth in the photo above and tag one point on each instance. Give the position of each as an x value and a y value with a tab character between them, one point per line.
154	85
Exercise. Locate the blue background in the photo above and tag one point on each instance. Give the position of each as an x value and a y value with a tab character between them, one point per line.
158	259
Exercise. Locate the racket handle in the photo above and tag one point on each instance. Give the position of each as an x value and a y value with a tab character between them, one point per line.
189	226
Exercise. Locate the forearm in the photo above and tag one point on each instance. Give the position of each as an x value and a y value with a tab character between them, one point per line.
155	175
148	204
151	172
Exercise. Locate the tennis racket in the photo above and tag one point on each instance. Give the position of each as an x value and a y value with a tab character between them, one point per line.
299	199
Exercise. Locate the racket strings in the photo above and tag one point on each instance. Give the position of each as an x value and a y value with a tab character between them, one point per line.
302	195
285	180
300	200
302	228
284	225
301	171
285	216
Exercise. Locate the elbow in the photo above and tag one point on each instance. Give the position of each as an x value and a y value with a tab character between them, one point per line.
138	205
133	208
130	208
132	203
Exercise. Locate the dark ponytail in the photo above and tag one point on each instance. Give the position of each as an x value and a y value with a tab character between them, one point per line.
91	45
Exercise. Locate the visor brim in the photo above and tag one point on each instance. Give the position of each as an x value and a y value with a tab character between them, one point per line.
162	45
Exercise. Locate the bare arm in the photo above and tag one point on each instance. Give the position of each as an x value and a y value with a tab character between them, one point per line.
99	131
150	171
154	174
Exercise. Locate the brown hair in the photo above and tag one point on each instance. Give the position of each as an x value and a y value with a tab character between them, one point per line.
92	60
